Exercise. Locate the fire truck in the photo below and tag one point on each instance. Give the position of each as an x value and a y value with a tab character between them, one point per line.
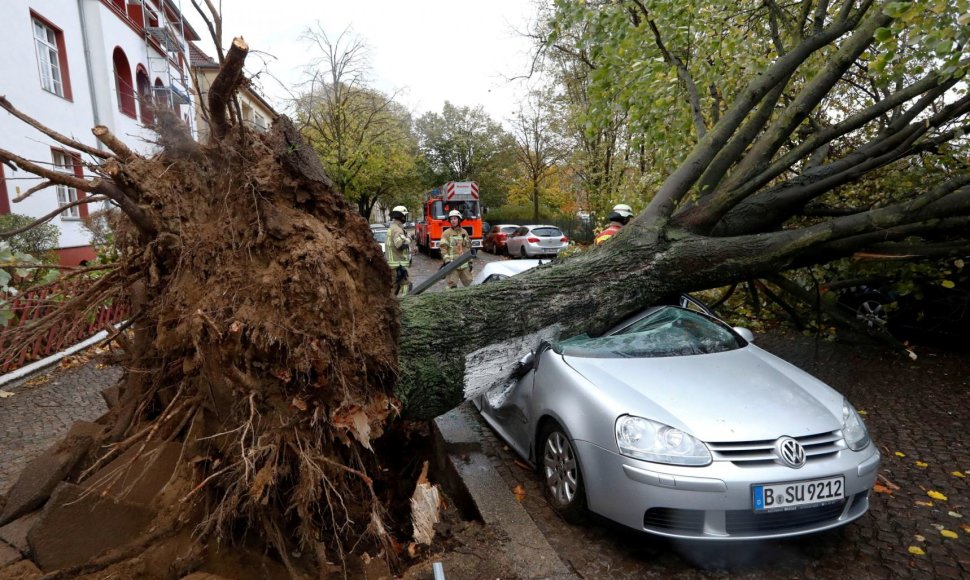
453	195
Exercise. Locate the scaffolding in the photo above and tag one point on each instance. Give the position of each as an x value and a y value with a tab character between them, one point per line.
167	52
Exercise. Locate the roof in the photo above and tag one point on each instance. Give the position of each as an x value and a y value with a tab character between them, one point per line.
199	59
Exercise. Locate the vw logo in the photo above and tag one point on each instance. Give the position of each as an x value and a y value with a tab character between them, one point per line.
791	452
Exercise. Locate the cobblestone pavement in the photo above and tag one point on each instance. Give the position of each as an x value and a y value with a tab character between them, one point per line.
423	266
43	407
920	409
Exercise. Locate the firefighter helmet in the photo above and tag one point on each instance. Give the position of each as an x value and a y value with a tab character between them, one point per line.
623	209
401	209
455	213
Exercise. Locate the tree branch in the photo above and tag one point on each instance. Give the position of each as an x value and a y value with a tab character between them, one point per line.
679	183
11	233
104	135
224	86
63	140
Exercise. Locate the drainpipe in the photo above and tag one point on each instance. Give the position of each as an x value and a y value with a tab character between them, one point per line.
88	66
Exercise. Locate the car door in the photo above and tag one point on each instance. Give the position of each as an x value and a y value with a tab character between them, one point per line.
515	241
509	408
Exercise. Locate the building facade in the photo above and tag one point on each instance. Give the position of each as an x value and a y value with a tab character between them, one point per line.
256	112
74	64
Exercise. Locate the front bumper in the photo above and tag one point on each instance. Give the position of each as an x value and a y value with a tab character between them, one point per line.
715	502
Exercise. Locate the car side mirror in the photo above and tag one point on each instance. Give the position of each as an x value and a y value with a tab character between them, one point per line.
524	365
744	333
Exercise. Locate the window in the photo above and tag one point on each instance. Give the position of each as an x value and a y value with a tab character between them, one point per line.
51	57
145	100
68	163
123	83
259	121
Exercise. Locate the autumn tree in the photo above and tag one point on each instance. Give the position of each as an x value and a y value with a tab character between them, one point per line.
538	145
464	143
364	138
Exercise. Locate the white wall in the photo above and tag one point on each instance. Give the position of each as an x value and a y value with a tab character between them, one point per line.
20	83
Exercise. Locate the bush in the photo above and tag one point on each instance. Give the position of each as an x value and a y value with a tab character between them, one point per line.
39	241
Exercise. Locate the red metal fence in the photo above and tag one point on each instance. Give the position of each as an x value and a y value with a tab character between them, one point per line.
32	306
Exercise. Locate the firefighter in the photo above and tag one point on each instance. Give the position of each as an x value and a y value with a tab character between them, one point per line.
454	243
619	217
398	247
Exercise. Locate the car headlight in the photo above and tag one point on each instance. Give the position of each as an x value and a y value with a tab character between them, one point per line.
853	429
645	439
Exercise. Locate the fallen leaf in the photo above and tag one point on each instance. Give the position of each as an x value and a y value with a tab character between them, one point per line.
5	394
924	503
916	551
949	534
522	465
958	474
900	454
938	527
861	412
880	488
954	515
912	355
965	528
936	495
519	492
922	464
919	538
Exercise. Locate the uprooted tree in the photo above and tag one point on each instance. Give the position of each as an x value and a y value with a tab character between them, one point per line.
264	338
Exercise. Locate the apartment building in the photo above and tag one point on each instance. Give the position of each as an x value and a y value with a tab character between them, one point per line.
74	64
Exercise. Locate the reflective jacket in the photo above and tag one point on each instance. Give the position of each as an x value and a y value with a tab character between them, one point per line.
455	242
398	246
608	233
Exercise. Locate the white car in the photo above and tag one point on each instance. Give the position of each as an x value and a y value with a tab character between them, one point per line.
536	240
502	269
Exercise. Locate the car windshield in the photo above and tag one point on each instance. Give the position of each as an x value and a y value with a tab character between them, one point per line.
509	229
547	232
664	331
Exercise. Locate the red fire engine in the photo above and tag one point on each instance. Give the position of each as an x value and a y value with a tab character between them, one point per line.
454	195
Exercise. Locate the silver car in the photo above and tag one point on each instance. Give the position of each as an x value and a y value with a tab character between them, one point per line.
532	241
674	423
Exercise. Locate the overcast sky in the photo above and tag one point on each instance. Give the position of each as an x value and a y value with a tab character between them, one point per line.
433	50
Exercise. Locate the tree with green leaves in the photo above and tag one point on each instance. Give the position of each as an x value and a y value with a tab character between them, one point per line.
464	143
364	137
538	145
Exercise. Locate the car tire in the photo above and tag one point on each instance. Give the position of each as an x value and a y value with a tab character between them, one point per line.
871	312
562	479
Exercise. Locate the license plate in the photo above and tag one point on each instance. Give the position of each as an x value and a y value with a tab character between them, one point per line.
798	494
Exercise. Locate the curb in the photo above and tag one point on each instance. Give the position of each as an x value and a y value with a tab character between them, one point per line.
466	469
26	371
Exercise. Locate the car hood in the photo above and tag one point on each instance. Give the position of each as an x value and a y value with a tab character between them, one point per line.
741	395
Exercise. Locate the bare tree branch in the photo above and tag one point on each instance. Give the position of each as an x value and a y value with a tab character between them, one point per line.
84	200
63	140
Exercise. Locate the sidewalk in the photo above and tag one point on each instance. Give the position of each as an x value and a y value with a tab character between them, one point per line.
43	407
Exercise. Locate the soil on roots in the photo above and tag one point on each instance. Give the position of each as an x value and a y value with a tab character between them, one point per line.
264	342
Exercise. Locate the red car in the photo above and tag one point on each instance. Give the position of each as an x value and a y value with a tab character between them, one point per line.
495	240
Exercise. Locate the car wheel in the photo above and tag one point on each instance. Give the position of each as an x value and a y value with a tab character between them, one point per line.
871	312
561	476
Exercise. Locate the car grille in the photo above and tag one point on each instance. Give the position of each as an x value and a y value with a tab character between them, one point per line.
760	453
674	519
748	521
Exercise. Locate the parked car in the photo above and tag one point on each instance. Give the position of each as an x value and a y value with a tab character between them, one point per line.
380	236
928	310
537	240
494	242
495	271
674	423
